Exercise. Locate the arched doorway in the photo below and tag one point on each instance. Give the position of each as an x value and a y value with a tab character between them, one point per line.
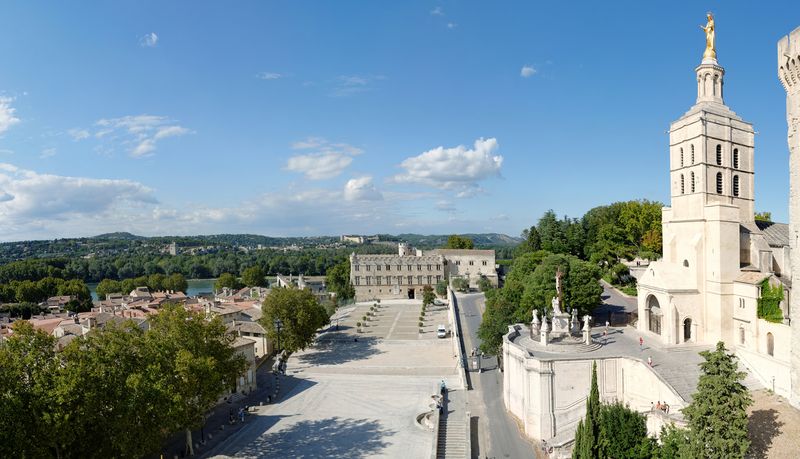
654	315
770	344
687	330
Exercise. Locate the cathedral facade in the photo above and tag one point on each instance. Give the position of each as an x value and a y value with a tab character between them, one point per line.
717	259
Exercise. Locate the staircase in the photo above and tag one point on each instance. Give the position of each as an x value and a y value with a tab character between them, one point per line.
452	438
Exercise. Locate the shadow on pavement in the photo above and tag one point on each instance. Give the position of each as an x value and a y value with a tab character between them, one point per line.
324	438
335	352
762	427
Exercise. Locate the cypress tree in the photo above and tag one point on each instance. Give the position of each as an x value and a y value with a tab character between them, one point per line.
587	435
718	412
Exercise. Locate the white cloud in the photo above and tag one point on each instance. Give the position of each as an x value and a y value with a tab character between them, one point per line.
347	85
451	25
138	134
47	152
445	206
79	134
527	71
328	161
361	189
7	117
269	75
148	40
438	11
30	196
457	169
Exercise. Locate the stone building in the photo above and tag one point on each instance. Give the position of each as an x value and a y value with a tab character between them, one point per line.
470	264
707	286
394	276
789	75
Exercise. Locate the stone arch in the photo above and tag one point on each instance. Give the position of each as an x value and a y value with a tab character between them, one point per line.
685	263
770	344
654	314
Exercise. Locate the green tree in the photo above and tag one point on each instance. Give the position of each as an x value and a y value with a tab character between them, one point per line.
674	443
588	434
108	286
197	356
227	280
484	284
176	283
459	242
763	216
299	312
427	295
441	288
718	413
77	289
623	433
254	276
29	291
337	280
552	233
460	284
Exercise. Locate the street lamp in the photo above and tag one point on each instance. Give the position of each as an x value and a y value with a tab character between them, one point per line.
278	327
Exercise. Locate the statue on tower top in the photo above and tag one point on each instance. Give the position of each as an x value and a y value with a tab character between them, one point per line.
556	303
711	50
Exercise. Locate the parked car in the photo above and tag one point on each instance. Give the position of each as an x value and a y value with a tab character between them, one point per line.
441	332
438	302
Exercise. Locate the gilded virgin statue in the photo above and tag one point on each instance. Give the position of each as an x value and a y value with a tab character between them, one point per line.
711	51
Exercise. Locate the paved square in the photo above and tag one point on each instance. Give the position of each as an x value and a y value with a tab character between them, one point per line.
360	398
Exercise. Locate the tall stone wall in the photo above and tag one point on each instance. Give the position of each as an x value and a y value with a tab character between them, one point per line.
789	74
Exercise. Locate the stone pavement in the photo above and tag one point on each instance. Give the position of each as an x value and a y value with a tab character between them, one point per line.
452	439
354	398
394	320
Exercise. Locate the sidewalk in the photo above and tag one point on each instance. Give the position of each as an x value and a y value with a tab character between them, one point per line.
217	428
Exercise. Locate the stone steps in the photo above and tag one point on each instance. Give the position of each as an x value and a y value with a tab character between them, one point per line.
452	439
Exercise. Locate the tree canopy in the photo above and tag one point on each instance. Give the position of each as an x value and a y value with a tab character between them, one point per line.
338	281
459	242
299	312
254	276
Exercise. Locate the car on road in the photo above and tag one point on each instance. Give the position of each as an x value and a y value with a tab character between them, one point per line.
441	332
438	302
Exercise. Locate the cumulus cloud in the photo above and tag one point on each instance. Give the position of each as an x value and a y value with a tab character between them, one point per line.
458	169
138	134
327	161
28	195
47	152
7	117
438	11
527	71
148	40
451	25
361	189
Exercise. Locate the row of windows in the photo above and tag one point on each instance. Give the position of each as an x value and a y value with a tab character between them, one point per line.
719	183
399	267
398	280
735	159
471	262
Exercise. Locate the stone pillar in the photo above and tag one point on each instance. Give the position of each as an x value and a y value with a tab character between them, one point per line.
545	333
587	331
789	74
535	325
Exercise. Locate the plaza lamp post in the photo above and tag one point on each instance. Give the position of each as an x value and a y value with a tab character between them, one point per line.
278	327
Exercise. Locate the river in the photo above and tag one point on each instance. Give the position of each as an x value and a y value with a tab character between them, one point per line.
196	287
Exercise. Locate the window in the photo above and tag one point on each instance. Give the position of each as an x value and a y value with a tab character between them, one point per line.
692	154
770	344
358	280
419	267
691	181
735	158
719	155
438	279
399	280
388	267
458	262
681	156
429	267
367	267
409	267
369	280
682	184
377	267
356	266
438	267
685	263
736	185
719	182
430	278
484	262
419	280
399	267
378	280
410	280
471	262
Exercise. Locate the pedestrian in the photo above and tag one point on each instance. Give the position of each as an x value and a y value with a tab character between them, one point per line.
241	415
443	388
607	324
605	336
231	419
650	360
641	343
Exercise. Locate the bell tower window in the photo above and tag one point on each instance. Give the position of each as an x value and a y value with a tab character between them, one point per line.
719	155
736	185
735	158
682	184
681	156
691	181
691	156
719	182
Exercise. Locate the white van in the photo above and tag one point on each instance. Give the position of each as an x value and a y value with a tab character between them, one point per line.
441	332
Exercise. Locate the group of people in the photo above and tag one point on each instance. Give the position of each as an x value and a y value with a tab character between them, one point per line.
239	415
662	406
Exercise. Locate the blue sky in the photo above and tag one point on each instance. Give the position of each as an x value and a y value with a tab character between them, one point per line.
314	118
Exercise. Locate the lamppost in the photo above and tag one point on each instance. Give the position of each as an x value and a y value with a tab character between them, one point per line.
278	327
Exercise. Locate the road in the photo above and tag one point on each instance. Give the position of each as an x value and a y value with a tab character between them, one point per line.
499	435
613	302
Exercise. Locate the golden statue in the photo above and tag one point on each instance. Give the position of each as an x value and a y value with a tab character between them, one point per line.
711	51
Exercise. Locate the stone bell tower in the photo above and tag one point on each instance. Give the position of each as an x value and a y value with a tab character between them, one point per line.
789	74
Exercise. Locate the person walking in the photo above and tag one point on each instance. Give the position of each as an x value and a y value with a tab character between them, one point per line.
650	360
641	343
607	324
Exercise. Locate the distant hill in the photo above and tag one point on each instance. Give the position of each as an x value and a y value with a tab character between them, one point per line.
119	235
440	240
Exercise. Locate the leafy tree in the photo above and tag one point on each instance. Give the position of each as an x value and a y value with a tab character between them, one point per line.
254	276
588	434
76	288
176	283
227	280
300	313
623	433
108	286
427	295
29	291
718	413
768	307
441	288
498	315
484	284
459	242
763	216
460	284
532	241
197	356
674	443
338	281
552	233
